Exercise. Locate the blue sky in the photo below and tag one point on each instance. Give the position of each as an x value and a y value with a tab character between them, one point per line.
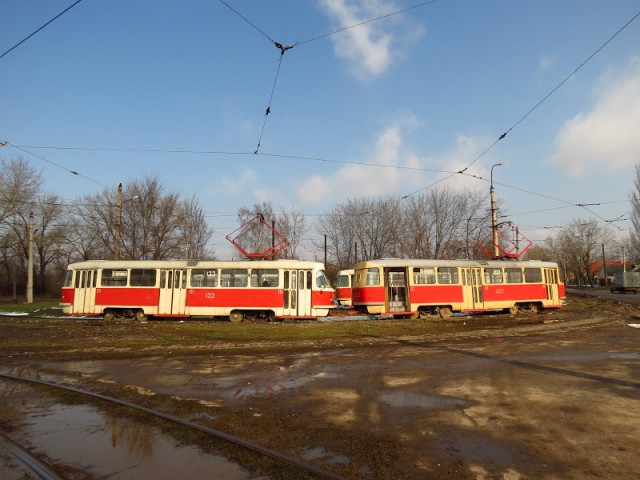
127	84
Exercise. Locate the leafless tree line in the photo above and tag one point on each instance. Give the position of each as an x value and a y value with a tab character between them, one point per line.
158	224
154	224
438	223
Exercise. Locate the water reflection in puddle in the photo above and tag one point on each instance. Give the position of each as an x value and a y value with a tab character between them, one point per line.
118	448
410	399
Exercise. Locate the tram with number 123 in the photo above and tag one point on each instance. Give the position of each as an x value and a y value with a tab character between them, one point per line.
273	289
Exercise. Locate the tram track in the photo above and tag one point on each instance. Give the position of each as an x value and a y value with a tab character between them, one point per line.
34	463
46	472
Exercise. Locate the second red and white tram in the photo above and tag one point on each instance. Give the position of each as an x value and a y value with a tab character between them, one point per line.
276	289
410	287
344	282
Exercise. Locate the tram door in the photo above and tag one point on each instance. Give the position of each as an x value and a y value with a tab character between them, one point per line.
551	282
396	297
472	285
84	298
173	292
297	293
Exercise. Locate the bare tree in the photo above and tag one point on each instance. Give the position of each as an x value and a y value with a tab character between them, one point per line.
256	238
579	246
337	227
361	229
194	231
154	224
19	186
292	225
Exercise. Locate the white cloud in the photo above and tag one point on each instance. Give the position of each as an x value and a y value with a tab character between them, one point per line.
546	63
370	48
606	139
237	184
390	150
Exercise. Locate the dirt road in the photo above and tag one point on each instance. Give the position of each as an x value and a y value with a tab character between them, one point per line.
556	396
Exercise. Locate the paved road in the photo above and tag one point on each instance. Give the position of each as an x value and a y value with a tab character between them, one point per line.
629	298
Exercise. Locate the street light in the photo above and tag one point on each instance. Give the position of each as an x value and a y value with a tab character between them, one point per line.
118	233
494	226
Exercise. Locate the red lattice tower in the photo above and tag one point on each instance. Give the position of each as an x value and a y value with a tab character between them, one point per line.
510	241
254	235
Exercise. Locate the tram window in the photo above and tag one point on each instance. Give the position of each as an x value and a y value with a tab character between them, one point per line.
448	275
264	277
286	281
323	281
309	280
68	279
492	275
424	276
532	275
341	281
114	278
204	278
513	275
234	277
373	276
301	277
143	277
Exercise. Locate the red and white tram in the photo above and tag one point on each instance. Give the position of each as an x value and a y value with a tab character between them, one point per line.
409	287
186	288
344	282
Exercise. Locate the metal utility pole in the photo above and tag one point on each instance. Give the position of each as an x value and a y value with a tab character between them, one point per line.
494	216
118	232
30	264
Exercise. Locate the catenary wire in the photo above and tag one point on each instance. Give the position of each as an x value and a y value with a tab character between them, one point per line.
36	31
365	22
541	101
73	172
317	159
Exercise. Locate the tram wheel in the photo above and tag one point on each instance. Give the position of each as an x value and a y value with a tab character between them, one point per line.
236	316
140	316
514	309
535	308
108	315
445	312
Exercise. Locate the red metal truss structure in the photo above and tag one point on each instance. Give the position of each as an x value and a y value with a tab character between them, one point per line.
510	242
256	239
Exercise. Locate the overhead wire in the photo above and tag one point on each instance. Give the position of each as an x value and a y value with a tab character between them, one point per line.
39	29
296	157
542	100
284	48
365	22
73	172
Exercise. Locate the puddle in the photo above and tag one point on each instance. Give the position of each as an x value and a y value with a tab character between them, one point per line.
433	402
212	379
112	447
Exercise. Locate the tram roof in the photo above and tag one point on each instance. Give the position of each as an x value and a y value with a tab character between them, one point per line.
259	264
414	262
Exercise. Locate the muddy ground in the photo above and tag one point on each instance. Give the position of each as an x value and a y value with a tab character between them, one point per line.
548	396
